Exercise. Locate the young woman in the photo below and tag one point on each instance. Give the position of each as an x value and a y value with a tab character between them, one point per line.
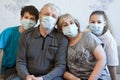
100	26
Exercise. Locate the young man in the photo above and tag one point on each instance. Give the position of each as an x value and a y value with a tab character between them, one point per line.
42	51
9	39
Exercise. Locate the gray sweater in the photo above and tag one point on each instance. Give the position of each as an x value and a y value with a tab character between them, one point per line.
41	56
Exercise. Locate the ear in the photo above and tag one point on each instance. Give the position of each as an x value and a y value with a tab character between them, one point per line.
20	18
40	16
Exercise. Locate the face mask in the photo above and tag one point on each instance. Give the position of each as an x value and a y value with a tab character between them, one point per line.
48	22
26	23
71	30
96	29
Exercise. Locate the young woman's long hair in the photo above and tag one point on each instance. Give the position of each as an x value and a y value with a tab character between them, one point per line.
108	24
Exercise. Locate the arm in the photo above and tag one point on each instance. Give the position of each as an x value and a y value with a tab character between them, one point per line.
112	70
21	58
5	36
0	50
69	76
101	61
60	61
112	57
31	77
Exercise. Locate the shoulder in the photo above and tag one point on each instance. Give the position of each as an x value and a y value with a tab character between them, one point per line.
59	34
91	38
28	31
107	38
88	35
29	34
60	37
10	30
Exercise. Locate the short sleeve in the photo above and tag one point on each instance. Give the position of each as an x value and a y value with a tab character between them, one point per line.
110	49
93	41
4	38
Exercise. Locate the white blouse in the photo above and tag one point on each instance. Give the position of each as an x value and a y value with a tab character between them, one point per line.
110	49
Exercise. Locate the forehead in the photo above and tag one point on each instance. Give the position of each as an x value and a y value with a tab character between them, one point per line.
28	14
97	17
49	9
67	19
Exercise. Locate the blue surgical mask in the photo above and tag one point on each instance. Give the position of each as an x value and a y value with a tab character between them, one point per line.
26	23
96	29
71	30
48	22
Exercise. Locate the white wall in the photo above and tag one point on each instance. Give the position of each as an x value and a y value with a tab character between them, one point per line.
81	9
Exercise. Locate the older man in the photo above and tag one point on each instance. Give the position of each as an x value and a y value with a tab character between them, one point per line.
42	50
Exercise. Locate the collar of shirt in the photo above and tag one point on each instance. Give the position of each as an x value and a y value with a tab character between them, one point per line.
105	36
37	34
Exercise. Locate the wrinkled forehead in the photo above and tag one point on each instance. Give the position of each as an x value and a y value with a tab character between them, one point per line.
50	9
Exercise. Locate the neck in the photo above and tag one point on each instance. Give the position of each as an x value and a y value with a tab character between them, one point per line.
21	29
43	31
74	40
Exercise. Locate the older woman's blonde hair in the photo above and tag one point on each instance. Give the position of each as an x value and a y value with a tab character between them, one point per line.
61	20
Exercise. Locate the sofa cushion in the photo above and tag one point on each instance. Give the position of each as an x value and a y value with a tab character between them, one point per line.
1	53
118	67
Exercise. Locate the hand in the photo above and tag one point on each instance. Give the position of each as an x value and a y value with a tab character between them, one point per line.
77	79
30	77
39	78
70	76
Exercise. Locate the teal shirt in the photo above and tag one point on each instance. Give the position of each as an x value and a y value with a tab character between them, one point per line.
9	39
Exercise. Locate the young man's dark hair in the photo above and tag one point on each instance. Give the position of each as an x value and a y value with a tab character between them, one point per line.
31	10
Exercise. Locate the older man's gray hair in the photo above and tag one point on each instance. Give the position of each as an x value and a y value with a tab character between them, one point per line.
52	6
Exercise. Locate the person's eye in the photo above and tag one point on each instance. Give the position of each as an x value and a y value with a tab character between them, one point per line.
92	22
32	19
64	25
71	22
54	16
99	22
46	14
26	17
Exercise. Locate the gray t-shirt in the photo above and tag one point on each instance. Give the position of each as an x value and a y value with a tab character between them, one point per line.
80	58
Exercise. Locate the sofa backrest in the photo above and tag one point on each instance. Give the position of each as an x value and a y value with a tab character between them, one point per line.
118	67
1	53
